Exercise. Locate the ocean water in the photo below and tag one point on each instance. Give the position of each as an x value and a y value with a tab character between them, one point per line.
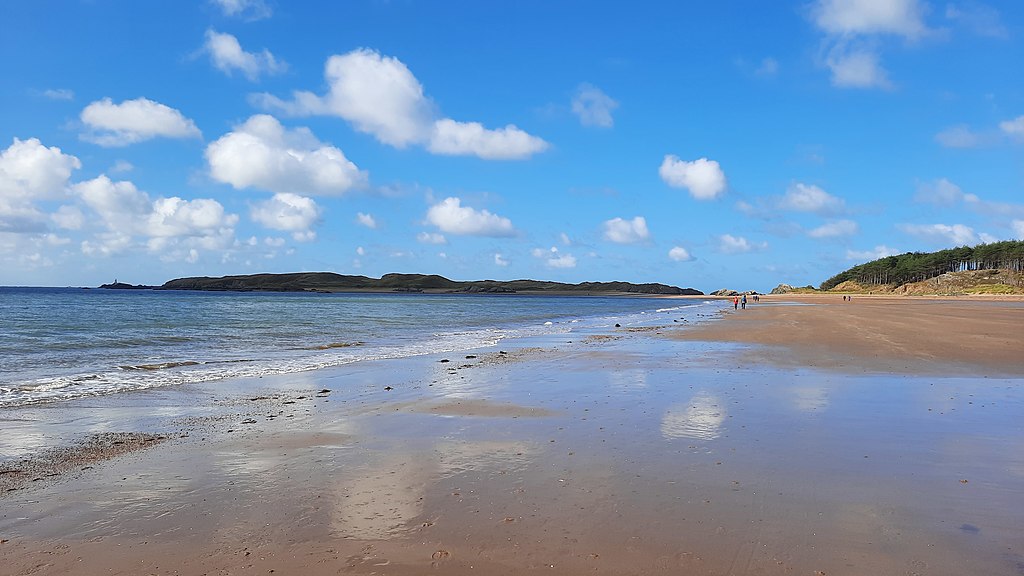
63	343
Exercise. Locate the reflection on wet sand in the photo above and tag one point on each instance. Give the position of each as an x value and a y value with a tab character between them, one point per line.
701	418
385	496
809	398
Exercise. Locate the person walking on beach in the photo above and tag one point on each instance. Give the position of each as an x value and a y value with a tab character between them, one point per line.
735	302
743	302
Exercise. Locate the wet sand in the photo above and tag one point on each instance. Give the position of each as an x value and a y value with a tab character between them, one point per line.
629	452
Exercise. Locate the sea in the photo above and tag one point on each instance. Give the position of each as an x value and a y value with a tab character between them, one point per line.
58	344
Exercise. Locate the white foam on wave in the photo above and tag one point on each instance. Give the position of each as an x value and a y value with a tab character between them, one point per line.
126	379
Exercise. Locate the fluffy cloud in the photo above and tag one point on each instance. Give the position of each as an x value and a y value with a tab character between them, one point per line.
228	56
68	218
849	24
500	260
959	136
809	198
704	178
431	238
245	9
289	213
729	244
680	254
1018	229
554	259
261	153
380	96
134	121
593	107
943	234
834	229
942	192
1013	127
851	17
856	68
626	231
450	216
453	138
880	251
29	172
366	220
173	226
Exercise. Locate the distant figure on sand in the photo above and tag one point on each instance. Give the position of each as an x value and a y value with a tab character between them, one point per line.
743	302
735	302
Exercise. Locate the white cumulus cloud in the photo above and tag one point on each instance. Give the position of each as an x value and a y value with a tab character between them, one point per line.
849	17
431	238
856	68
500	260
880	251
134	121
593	107
244	9
680	254
1013	127
623	231
366	220
959	136
835	229
288	212
704	178
30	172
261	153
942	192
171	226
809	198
851	25
943	234
228	56
380	96
472	139
729	244
1018	229
450	216
553	258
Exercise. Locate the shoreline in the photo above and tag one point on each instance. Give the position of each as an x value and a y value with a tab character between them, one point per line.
617	451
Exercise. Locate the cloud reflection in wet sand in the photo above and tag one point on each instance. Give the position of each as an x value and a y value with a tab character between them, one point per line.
701	418
627	379
384	497
809	398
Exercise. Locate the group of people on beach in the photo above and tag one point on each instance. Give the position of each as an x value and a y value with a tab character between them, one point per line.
741	301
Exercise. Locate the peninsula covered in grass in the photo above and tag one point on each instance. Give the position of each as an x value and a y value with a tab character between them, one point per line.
429	283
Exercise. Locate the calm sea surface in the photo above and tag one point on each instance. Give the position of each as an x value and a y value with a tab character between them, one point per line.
62	343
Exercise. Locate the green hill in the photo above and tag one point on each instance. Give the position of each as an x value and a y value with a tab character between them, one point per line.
331	282
916	267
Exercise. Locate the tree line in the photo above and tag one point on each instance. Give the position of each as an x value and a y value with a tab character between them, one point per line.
917	266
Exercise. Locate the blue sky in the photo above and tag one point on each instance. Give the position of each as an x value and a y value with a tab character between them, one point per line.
707	144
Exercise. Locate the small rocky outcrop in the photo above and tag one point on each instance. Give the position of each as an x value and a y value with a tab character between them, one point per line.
782	289
725	292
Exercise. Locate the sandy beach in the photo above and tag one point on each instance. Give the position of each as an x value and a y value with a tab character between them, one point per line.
799	436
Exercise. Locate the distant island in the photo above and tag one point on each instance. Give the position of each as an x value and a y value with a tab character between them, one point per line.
428	283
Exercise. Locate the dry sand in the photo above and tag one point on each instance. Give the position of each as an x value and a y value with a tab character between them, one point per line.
617	453
921	336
